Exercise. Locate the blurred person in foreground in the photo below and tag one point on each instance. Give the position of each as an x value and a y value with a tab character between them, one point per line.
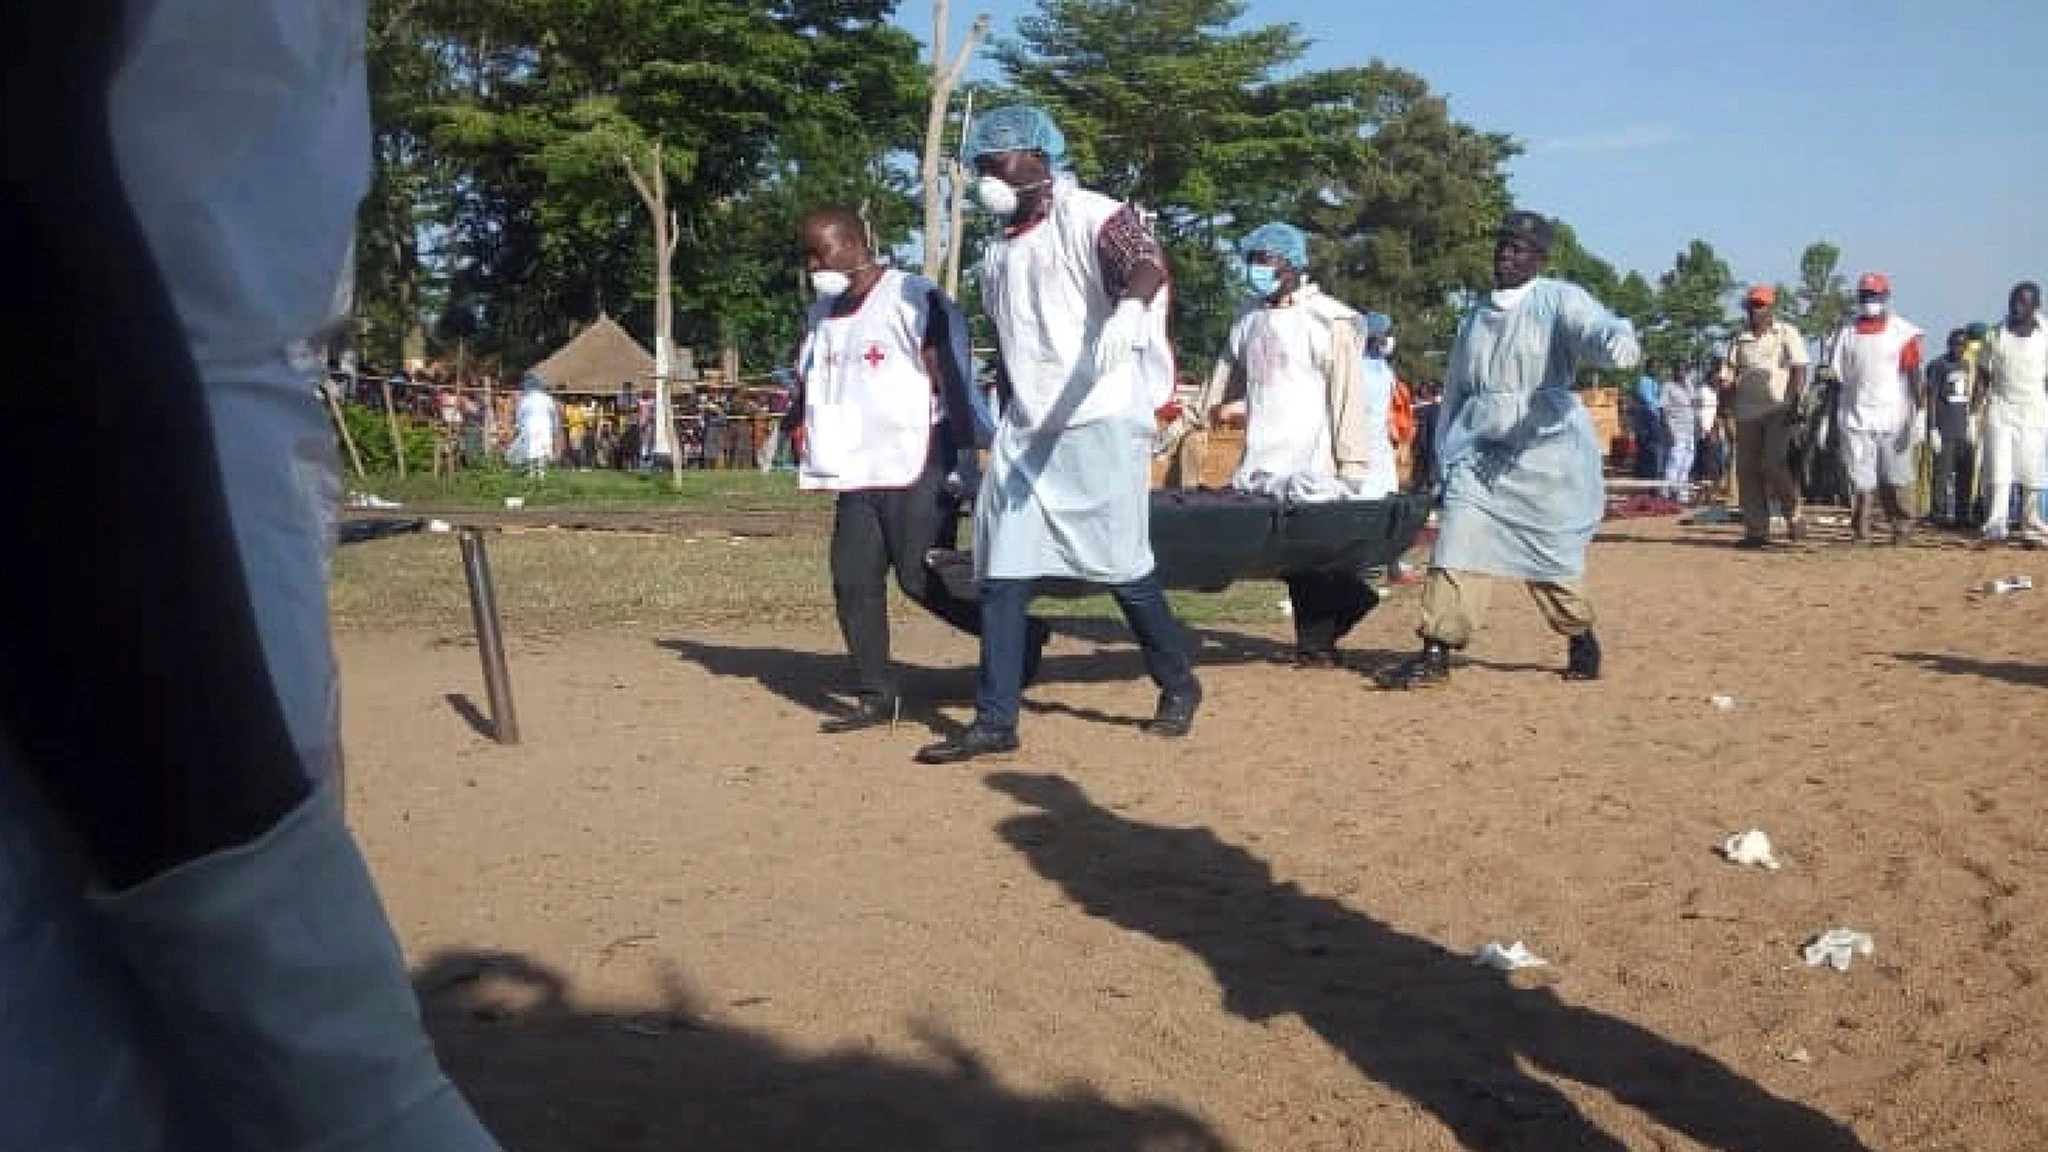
193	956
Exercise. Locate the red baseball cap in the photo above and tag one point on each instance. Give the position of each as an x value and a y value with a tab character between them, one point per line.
1762	294
1874	282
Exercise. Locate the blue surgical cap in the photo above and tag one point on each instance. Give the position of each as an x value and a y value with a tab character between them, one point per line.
1017	128
1282	240
1378	324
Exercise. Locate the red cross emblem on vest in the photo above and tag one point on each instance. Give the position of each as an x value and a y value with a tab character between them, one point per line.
874	356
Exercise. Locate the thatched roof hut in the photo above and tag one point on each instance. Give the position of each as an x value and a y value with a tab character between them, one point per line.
598	359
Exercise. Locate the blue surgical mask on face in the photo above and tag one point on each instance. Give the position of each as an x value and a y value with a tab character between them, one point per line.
1263	279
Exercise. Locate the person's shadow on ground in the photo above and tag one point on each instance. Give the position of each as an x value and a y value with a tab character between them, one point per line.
821	682
1426	1022
2012	672
548	1076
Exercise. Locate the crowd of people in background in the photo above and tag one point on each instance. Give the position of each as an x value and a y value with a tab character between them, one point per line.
483	421
1957	441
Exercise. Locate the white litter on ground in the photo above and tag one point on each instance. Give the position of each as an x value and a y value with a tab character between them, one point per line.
1512	958
1752	848
371	500
1837	947
1722	703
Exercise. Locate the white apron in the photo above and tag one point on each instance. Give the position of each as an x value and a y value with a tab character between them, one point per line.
869	406
1069	478
1287	430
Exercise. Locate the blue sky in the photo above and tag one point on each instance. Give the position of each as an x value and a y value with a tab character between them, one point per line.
1914	134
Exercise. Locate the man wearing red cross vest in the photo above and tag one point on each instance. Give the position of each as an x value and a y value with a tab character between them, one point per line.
882	415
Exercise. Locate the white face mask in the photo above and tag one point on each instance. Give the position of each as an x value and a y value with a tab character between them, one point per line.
1870	309
996	196
827	282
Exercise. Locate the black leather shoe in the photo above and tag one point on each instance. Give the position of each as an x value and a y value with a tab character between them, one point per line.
1175	715
871	712
1582	661
1429	668
972	744
1036	636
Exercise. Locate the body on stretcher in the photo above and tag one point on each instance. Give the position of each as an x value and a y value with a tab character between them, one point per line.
1205	540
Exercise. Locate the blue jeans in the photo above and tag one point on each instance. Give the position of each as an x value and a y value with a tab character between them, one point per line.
1005	630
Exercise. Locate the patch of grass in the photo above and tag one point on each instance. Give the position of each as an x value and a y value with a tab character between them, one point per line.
599	488
554	582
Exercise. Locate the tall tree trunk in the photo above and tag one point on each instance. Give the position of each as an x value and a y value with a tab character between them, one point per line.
945	76
653	190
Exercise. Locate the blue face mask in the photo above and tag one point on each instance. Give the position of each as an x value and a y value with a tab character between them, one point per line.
1263	279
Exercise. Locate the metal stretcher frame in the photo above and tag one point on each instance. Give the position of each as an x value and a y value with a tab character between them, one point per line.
1207	541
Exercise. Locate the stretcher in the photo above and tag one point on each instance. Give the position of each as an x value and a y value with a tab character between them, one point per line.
1205	540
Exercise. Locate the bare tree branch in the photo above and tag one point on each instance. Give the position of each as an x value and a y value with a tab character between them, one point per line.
945	77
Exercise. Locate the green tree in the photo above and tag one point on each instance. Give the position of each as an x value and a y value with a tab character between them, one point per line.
1822	301
1404	218
1571	260
1692	313
1635	299
527	107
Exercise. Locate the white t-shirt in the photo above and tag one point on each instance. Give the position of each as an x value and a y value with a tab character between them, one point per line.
2016	368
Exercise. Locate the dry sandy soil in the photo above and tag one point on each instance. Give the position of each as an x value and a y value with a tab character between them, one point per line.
677	917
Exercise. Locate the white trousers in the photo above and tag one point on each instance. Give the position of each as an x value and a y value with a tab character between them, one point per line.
2015	446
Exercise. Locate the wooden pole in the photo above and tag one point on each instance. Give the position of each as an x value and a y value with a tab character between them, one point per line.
355	458
956	220
391	421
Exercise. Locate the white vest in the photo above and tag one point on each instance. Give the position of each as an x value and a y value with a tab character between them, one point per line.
1285	354
869	405
1876	395
1044	291
2016	368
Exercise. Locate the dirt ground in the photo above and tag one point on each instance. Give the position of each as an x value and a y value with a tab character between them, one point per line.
678	917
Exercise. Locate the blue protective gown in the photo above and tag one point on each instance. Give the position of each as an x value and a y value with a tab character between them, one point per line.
1518	457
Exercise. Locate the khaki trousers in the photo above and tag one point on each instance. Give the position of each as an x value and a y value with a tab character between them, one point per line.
1454	606
1763	472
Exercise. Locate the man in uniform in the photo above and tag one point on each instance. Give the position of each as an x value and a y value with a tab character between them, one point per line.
1766	372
